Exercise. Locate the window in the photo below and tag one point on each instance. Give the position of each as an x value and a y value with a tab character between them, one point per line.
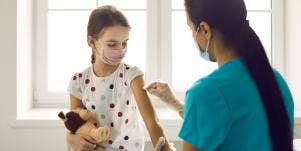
62	48
187	64
160	42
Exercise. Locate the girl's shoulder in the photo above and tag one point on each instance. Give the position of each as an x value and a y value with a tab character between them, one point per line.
83	75
131	71
131	68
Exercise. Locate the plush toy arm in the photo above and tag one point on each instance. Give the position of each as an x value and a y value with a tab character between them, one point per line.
85	114
77	110
98	134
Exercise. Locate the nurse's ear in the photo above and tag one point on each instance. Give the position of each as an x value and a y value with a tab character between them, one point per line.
205	30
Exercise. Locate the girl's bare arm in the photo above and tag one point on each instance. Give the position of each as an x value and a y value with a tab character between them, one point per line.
147	111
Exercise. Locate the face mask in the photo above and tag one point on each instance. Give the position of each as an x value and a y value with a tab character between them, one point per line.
203	53
112	56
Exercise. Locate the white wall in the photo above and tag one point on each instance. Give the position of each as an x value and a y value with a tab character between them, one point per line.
293	54
8	71
39	136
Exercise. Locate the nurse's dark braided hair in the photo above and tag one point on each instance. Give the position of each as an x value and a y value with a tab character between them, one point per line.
228	17
102	18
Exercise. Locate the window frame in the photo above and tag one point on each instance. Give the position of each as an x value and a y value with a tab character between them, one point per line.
277	40
158	48
43	98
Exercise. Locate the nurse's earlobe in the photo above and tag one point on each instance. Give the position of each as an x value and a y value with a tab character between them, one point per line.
206	30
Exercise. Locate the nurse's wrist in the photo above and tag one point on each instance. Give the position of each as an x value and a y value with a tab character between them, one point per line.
168	98
174	103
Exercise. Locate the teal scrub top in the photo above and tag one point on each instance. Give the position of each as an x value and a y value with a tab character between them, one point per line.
223	111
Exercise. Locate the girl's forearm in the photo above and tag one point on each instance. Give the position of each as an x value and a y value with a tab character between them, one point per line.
156	131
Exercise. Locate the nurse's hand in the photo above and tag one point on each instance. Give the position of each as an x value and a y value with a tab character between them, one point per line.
163	91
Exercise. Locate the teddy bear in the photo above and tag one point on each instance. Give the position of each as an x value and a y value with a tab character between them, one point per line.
78	121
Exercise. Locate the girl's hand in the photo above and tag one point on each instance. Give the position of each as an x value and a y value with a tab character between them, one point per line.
161	143
80	142
99	149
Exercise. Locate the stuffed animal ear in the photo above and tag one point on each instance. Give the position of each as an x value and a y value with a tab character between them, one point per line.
62	116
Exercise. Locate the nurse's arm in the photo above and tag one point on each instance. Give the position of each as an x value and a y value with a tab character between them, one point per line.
189	147
147	111
166	95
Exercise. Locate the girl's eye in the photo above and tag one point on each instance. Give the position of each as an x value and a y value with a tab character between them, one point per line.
124	44
112	45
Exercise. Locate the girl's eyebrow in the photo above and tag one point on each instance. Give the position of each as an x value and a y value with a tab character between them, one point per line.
112	41
116	40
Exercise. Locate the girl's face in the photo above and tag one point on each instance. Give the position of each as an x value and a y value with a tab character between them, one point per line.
112	38
115	37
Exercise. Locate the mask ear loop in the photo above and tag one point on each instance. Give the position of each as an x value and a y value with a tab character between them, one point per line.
103	52
208	43
207	47
196	32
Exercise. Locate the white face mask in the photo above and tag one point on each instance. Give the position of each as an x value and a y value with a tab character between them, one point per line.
112	56
203	53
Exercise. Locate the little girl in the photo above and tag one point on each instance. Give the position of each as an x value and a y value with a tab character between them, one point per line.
111	89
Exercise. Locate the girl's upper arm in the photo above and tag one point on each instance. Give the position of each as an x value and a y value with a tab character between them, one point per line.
143	102
147	111
75	102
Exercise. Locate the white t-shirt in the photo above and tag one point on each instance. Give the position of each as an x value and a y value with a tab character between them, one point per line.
112	100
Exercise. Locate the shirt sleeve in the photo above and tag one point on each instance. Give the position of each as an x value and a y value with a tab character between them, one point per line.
207	118
132	73
74	86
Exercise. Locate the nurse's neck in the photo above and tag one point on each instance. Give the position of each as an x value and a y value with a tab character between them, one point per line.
223	54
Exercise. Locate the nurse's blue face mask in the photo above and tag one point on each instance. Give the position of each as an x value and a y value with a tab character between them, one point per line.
203	53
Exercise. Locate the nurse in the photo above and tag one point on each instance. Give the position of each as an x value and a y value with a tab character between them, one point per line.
245	104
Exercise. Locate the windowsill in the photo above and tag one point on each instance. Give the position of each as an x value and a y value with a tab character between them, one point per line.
37	118
47	119
50	114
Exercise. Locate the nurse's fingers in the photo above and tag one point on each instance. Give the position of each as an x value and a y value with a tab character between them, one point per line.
153	91
151	86
156	85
